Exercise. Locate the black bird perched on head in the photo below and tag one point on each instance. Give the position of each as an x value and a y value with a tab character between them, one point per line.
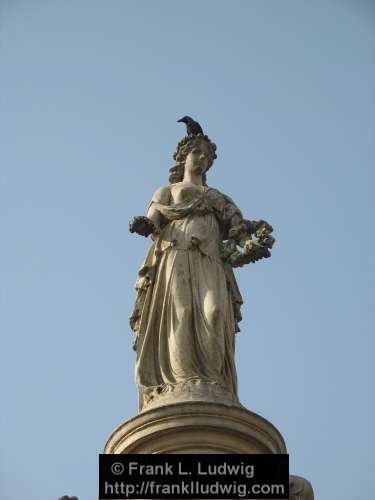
192	127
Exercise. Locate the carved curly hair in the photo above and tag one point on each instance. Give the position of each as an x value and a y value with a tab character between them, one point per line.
184	147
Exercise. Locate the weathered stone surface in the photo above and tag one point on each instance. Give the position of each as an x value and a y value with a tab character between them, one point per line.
189	391
196	427
300	489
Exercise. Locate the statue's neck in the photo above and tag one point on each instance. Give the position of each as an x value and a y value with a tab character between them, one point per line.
192	178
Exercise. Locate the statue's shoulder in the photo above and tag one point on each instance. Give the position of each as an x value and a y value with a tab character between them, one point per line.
218	195
214	193
162	195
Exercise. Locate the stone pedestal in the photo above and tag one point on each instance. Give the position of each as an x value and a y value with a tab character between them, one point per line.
196	427
202	427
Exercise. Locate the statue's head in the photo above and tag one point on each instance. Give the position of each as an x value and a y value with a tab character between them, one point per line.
185	151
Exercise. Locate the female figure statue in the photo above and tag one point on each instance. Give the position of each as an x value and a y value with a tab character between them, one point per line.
188	303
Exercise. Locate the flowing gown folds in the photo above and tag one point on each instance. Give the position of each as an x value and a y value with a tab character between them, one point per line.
185	313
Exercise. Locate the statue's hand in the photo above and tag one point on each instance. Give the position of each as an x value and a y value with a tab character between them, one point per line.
142	225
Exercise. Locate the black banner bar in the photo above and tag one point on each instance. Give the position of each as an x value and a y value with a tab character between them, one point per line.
193	476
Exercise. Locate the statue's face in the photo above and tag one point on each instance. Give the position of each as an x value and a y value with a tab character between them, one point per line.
198	160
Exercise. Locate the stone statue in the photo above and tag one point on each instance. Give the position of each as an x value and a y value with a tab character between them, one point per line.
300	489
188	303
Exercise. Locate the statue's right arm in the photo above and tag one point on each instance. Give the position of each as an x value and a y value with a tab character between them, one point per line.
161	195
154	220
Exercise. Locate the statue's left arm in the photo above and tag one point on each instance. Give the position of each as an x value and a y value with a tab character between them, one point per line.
245	241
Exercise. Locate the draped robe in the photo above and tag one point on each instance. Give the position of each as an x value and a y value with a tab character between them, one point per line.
188	303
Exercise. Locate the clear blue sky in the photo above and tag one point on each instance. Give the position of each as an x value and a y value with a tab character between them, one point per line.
90	94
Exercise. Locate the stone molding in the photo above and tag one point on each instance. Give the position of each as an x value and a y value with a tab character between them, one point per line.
196	427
